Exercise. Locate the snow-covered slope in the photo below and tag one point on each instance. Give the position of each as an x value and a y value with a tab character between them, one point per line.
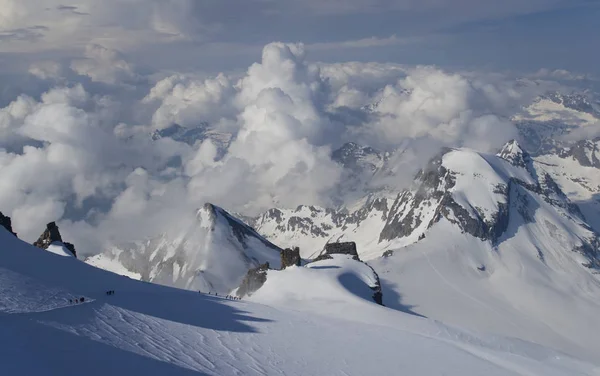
505	251
332	282
489	242
212	253
146	329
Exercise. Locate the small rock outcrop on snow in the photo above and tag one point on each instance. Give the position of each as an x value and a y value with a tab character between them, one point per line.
6	223
290	257
51	236
254	280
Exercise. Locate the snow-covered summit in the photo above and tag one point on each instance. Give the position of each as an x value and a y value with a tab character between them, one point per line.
513	153
211	252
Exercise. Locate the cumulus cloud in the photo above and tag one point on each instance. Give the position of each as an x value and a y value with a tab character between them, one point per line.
449	108
47	70
187	102
260	139
103	64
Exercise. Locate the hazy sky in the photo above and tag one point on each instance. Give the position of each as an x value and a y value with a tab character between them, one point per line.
217	35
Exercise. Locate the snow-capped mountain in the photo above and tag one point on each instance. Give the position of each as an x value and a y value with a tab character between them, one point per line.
212	253
474	191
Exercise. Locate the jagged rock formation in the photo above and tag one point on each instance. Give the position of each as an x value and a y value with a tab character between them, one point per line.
49	236
6	223
290	257
52	235
254	280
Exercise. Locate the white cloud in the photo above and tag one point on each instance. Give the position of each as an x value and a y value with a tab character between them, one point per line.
188	102
47	70
103	64
87	159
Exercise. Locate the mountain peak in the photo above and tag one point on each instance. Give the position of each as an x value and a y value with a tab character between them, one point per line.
51	239
514	153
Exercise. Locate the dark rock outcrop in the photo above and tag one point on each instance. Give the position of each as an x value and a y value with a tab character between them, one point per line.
6	223
254	279
347	248
290	257
52	235
377	293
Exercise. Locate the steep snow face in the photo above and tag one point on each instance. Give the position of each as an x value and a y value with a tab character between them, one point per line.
155	330
213	253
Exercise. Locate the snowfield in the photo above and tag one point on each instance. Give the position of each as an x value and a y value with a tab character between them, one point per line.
554	302
147	329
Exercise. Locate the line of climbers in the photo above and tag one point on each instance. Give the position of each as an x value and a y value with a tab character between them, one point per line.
76	300
230	297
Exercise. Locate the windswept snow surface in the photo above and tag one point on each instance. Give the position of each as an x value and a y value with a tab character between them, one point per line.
147	329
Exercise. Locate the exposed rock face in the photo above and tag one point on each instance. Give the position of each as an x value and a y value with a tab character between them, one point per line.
49	236
290	257
586	152
377	293
6	223
52	235
71	248
253	280
346	248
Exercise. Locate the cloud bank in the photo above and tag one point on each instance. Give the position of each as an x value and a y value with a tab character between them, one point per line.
247	141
